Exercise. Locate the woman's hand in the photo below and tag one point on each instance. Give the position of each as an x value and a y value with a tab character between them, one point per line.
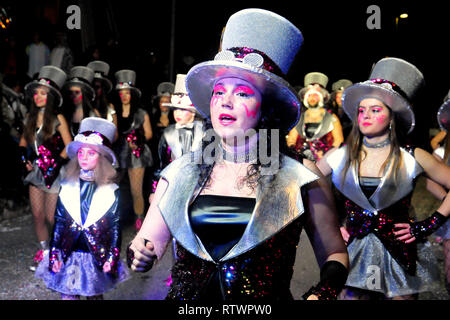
29	165
404	232
132	146
57	266
106	267
144	254
345	235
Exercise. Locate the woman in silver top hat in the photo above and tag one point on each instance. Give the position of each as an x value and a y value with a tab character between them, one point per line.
442	153
135	130
47	132
79	97
103	86
237	218
376	177
318	130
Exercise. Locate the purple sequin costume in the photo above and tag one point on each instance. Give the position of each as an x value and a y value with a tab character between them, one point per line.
260	264
47	172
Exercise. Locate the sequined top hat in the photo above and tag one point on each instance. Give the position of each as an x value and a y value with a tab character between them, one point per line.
165	89
315	78
444	114
340	85
180	98
101	70
81	76
258	46
126	79
395	82
51	77
97	133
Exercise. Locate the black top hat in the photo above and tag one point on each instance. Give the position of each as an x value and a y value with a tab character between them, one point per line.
51	77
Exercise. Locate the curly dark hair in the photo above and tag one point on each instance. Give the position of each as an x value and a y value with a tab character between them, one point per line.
270	119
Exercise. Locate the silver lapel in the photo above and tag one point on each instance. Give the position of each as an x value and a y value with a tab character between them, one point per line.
272	212
70	198
387	193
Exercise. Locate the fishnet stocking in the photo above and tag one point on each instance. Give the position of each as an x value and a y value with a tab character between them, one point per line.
43	205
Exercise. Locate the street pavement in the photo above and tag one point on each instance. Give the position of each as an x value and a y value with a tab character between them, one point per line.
18	246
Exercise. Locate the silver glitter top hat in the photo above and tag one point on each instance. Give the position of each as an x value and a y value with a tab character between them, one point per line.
97	133
126	79
81	76
340	85
316	78
395	82
258	46
165	89
51	77
180	98
101	71
444	114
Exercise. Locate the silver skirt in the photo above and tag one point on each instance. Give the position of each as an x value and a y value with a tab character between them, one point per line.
373	268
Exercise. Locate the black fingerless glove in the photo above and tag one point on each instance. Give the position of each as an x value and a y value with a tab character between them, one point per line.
333	276
422	229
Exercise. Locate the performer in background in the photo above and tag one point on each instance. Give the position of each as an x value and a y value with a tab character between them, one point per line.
318	130
377	175
237	220
103	86
442	153
335	104
80	95
134	131
84	257
47	132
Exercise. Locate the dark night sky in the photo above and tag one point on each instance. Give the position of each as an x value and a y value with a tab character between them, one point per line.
337	41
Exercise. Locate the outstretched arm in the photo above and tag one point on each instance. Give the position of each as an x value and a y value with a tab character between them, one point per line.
155	231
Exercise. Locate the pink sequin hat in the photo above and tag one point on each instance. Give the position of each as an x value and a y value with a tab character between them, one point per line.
258	46
97	133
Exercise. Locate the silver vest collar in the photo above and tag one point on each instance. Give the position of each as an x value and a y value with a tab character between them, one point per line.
388	192
273	210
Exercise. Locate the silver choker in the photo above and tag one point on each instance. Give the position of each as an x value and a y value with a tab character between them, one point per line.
247	156
376	144
87	175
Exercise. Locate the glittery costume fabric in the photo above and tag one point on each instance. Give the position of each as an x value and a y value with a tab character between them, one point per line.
260	264
126	157
55	145
99	236
264	272
80	275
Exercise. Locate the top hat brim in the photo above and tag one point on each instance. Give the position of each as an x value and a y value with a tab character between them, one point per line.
88	88
443	116
136	90
74	146
354	94
30	87
201	78
107	83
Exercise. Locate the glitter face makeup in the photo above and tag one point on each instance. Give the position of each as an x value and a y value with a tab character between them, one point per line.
373	117
235	106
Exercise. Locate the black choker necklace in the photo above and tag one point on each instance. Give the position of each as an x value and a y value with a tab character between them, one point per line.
247	156
381	144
